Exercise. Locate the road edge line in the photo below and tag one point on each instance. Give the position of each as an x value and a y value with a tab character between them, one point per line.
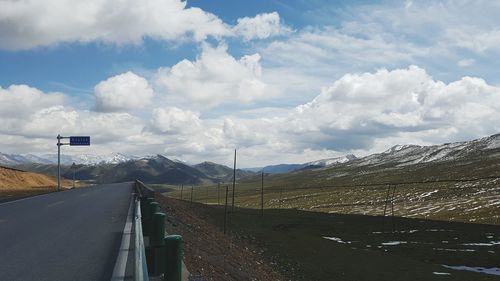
121	260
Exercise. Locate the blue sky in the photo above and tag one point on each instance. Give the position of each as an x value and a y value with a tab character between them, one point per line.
282	81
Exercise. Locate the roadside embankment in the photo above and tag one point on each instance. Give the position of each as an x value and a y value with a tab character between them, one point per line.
17	183
208	252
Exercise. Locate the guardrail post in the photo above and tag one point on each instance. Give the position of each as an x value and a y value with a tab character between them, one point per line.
173	262
146	214
154	207
157	244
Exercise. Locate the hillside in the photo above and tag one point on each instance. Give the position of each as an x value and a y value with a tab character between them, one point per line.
156	169
457	181
12	179
220	172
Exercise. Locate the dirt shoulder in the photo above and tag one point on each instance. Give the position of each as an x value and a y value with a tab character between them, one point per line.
208	252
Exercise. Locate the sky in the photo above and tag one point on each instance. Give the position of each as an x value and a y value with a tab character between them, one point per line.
280	81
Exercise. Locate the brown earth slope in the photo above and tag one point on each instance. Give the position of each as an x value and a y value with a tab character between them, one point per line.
17	183
13	179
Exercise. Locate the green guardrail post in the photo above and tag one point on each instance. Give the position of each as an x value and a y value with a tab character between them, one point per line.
154	207
157	244
146	215
173	262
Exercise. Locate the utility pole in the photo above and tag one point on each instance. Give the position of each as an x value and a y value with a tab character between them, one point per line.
234	181
262	196
218	193
191	195
225	210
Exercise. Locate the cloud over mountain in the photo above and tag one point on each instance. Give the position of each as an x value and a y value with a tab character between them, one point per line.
123	92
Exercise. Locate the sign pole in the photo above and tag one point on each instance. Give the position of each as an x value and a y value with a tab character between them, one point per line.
73	141
234	181
59	162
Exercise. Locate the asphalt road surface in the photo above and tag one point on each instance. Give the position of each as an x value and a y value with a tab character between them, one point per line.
70	235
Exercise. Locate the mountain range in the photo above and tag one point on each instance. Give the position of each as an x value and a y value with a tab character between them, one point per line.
85	159
286	168
159	169
151	169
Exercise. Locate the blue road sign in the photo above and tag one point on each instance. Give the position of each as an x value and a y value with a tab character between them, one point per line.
79	140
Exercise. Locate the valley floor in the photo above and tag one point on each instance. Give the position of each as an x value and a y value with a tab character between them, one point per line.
305	245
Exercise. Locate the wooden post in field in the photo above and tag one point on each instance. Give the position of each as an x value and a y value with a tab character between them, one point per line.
225	209
262	196
182	190
281	196
207	194
191	195
218	193
234	181
387	199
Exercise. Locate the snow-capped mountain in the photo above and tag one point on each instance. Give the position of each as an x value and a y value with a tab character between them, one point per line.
85	159
403	155
285	168
331	161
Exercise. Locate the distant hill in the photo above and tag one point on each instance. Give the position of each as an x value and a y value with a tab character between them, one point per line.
159	169
156	169
286	168
14	179
220	172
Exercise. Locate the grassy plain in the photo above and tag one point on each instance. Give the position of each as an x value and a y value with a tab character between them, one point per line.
320	246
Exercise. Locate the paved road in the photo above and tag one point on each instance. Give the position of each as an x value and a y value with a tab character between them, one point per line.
71	235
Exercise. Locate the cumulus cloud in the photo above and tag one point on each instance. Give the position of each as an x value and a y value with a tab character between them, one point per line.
261	26
31	119
27	24
175	120
358	113
214	78
20	100
126	91
361	108
31	23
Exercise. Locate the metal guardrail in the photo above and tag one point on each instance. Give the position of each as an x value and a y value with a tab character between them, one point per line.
140	266
143	190
162	254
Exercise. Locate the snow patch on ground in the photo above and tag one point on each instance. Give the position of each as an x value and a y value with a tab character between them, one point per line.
394	243
492	271
491	243
441	273
336	239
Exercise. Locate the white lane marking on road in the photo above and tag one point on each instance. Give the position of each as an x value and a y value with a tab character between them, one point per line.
121	260
55	203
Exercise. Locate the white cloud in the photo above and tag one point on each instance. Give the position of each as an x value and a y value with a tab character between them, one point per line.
358	113
260	27
361	108
28	24
214	78
466	62
21	100
126	91
175	120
